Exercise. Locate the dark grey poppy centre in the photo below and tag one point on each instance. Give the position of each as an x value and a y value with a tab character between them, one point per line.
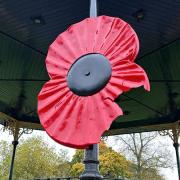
89	74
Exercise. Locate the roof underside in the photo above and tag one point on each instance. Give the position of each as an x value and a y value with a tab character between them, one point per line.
23	47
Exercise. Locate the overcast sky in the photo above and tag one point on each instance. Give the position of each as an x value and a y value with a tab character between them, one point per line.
168	173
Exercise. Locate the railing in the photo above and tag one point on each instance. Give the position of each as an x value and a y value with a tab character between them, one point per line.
72	178
59	178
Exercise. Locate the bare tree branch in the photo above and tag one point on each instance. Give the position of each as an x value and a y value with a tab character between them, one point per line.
145	154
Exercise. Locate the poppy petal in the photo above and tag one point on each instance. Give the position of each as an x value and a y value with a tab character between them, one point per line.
75	122
121	41
109	36
126	75
56	63
53	93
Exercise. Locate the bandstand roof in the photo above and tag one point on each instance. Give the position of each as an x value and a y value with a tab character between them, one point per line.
27	28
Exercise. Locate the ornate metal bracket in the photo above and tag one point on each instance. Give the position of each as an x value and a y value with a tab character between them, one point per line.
173	133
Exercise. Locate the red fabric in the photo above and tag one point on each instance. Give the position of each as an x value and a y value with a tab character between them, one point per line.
77	121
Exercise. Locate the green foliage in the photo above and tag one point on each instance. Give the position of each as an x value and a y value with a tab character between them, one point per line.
151	174
78	157
5	151
77	169
35	159
112	164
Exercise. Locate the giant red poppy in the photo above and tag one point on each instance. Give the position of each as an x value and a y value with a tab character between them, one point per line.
77	120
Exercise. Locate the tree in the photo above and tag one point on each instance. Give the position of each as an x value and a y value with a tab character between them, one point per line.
112	163
147	156
5	152
77	169
36	159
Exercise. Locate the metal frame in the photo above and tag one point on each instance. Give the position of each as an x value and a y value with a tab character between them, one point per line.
91	154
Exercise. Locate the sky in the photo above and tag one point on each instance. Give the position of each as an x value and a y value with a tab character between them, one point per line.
169	174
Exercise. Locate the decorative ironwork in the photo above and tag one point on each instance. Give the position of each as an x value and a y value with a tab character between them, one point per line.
173	133
14	128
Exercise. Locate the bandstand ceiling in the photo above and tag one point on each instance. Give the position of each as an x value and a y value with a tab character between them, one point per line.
27	28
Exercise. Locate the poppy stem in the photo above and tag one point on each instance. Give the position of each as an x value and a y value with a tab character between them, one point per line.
93	8
91	164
